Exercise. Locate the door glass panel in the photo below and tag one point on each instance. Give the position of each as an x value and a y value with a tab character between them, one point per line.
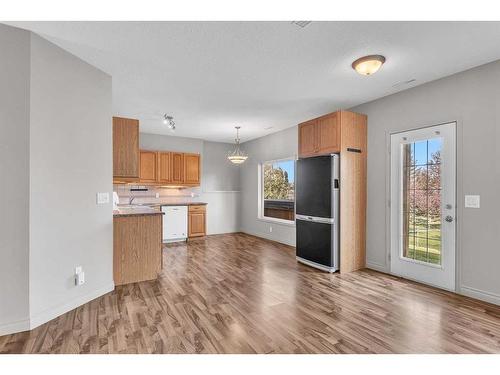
421	204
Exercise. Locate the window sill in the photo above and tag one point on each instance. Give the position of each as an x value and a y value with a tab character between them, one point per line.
287	223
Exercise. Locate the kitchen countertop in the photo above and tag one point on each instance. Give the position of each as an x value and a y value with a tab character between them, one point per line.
181	204
149	208
135	211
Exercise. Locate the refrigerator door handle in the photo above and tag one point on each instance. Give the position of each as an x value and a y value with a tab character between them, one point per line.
314	219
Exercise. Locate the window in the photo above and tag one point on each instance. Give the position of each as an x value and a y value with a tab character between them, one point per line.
422	200
277	190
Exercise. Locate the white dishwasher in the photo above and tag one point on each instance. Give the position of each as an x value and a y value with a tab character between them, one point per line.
175	223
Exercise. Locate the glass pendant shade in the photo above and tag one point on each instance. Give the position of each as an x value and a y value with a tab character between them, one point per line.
237	156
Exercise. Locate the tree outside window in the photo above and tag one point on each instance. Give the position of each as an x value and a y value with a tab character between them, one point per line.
279	189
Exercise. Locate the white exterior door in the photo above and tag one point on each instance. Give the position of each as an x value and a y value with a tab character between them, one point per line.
423	199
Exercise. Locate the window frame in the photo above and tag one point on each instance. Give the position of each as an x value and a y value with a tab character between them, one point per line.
260	195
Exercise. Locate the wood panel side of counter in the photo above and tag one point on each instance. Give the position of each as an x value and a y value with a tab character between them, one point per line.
137	248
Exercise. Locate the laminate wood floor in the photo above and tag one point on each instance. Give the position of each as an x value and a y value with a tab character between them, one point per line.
241	294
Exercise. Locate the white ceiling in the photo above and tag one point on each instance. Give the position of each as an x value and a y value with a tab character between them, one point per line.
263	76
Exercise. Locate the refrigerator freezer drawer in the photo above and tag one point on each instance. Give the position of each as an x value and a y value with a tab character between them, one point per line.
317	242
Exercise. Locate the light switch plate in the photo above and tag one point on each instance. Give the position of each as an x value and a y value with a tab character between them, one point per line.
472	201
102	198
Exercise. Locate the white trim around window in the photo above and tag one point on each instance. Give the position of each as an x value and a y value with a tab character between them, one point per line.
260	194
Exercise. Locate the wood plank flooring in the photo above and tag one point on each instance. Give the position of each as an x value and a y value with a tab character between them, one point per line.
241	294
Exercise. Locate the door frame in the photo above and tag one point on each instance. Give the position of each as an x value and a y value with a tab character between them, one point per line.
386	267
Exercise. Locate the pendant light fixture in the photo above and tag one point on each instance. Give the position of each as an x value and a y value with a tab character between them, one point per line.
237	156
368	65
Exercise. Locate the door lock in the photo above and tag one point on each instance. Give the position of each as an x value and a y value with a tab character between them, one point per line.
449	218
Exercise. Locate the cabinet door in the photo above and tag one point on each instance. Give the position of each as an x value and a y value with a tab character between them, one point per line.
192	169
148	166
177	167
328	133
125	147
308	144
164	167
196	226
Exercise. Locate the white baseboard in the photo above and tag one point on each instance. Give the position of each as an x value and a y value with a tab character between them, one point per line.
377	267
480	294
54	312
14	327
268	237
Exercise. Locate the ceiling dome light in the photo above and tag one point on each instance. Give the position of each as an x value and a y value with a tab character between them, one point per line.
237	156
368	65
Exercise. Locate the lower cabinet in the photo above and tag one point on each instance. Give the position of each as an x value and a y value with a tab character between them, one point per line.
137	248
197	221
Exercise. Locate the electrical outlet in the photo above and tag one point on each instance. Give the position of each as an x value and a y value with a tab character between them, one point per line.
78	270
270	229
472	201
80	278
157	195
102	198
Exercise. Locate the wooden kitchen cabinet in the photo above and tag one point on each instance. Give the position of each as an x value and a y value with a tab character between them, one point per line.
169	168
328	134
125	148
192	169
308	140
164	167
320	136
177	168
149	166
197	221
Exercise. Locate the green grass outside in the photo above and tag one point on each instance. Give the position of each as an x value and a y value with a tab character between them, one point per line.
426	245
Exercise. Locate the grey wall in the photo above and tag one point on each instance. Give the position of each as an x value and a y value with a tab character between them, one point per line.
219	178
70	161
14	169
472	99
275	146
219	174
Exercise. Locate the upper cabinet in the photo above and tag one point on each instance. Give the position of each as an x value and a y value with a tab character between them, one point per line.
177	168
125	148
149	166
308	140
164	167
192	169
169	168
328	133
320	136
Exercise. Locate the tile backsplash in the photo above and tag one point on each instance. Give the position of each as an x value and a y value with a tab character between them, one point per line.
166	195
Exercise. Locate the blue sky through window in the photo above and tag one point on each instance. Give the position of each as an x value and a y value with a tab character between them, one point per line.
424	149
288	166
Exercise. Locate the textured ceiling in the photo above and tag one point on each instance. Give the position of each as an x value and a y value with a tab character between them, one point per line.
263	76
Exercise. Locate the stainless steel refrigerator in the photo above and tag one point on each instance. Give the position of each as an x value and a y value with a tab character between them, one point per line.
317	212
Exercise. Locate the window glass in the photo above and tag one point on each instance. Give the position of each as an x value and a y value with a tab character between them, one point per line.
278	190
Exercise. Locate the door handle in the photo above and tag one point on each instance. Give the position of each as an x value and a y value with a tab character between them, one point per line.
449	218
